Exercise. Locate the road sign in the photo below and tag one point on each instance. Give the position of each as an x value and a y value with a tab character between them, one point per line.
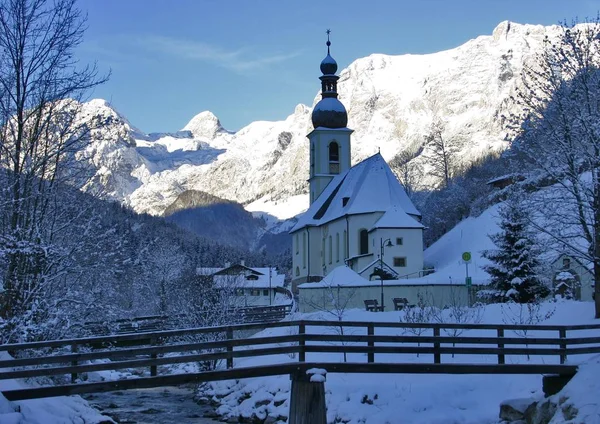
468	281
466	256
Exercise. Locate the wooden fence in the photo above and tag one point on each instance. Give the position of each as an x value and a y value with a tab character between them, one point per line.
371	351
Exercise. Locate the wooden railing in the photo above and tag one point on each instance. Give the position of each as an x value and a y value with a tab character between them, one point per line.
370	346
249	314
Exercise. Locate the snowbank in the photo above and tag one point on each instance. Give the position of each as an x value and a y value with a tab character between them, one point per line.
390	398
57	410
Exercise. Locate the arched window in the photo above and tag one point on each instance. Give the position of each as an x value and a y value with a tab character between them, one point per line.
297	271
334	158
363	237
334	152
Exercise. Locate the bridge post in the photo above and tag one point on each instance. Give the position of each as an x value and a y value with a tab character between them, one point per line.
74	363
371	344
153	368
563	345
301	341
437	356
229	336
501	358
307	399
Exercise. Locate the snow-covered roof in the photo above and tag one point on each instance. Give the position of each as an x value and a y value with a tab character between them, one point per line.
369	186
240	281
340	276
396	218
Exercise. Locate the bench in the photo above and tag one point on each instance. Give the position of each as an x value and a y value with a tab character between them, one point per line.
400	303
371	305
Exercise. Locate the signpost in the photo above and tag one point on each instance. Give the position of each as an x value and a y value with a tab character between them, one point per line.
466	257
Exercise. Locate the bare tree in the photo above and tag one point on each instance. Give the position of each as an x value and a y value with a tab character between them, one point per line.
457	312
334	300
558	133
440	152
407	170
40	88
422	313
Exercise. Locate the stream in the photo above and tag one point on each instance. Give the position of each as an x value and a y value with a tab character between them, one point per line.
160	405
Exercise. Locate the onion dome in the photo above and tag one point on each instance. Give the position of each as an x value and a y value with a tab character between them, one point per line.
329	112
328	65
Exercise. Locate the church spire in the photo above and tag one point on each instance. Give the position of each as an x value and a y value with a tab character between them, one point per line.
329	112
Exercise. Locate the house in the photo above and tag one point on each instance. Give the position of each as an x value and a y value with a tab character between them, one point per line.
251	286
360	215
572	278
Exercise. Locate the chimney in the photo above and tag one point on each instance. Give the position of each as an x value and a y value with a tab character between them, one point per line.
243	262
227	264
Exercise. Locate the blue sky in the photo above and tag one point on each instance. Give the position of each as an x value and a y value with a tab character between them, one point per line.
256	59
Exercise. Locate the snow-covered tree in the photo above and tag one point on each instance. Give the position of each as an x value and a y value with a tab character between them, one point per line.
558	133
440	153
514	267
40	83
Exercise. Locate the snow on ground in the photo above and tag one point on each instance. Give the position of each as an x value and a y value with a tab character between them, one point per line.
398	398
56	410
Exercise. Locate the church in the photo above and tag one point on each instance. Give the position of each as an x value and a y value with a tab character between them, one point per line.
359	216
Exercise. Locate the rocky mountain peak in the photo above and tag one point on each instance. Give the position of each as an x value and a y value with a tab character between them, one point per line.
205	125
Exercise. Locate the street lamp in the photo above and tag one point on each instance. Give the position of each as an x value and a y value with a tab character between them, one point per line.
383	243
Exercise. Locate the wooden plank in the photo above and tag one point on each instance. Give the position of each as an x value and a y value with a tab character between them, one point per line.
288	368
433	350
146	362
241	327
119	353
431	339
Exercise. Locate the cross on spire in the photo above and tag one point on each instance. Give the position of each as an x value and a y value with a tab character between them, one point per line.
328	42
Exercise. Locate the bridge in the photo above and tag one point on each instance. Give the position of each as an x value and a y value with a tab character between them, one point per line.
367	347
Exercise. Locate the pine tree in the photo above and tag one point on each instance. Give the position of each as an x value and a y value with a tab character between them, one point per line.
514	261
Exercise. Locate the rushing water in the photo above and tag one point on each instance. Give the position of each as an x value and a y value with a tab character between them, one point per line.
161	405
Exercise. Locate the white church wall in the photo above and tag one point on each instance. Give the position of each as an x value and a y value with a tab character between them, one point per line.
411	249
439	295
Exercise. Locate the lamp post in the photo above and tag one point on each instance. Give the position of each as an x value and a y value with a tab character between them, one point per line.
383	243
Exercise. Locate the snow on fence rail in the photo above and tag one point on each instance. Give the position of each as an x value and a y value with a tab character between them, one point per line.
320	341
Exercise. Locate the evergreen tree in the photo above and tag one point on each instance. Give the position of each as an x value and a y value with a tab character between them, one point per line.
514	261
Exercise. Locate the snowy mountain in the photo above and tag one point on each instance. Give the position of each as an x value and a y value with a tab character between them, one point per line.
391	102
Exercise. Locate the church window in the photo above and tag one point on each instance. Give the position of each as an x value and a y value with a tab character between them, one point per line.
297	271
566	263
337	247
323	251
330	250
400	262
399	241
297	244
304	250
334	158
345	244
363	242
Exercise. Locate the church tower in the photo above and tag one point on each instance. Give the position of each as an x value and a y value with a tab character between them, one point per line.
330	139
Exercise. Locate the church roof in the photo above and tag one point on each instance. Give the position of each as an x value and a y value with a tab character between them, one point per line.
395	217
340	276
369	186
